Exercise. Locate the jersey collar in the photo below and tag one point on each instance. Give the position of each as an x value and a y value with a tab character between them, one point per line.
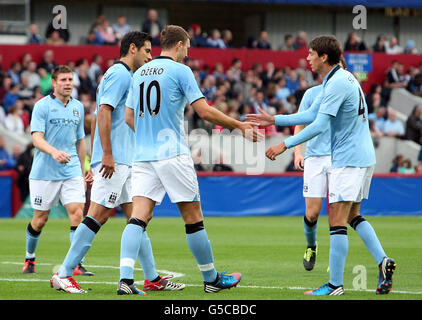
331	73
52	96
163	57
124	64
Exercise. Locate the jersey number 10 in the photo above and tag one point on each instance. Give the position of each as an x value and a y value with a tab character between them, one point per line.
156	110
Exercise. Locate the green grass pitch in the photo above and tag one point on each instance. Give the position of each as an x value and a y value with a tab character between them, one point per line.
268	251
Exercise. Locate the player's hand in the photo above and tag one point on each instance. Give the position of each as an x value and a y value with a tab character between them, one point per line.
89	177
262	119
107	166
60	156
276	150
299	161
250	131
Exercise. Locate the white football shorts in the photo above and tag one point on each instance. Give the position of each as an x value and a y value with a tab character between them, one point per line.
113	191
176	176
45	194
316	176
350	184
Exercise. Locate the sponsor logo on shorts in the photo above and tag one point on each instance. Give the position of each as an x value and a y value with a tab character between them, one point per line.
38	201
332	195
113	197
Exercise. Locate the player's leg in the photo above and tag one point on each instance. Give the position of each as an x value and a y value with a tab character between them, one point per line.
200	247
43	194
132	238
315	185
33	232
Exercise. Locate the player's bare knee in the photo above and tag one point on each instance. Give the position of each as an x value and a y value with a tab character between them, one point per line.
39	222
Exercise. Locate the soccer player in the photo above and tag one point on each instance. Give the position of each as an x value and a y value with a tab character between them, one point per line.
316	170
343	108
111	162
57	128
162	163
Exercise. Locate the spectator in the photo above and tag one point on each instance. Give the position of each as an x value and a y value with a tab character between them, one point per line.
95	69
415	84
397	162
301	41
25	61
23	167
48	62
302	69
379	45
269	74
198	38
25	92
120	28
227	38
292	81
411	47
153	27
14	122
392	46
106	33
395	77
282	91
393	127
45	81
373	98
354	43
288	43
7	83
236	69
215	41
414	125
11	96
379	118
14	72
6	161
34	37
376	134
55	39
63	31
263	41
406	167
252	42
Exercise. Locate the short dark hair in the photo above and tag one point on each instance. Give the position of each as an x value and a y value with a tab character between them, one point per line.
60	69
328	45
343	62
171	35
138	38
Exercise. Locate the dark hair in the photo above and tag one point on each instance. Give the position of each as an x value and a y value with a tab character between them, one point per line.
343	62
60	69
138	38
328	45
171	35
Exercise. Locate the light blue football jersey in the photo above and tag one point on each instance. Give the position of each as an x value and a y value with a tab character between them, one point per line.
321	144
62	126
351	142
159	94
113	90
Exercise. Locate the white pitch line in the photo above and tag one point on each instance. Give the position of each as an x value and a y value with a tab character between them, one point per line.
175	275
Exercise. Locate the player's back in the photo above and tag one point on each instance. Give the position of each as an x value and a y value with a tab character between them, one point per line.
113	90
351	142
160	91
321	144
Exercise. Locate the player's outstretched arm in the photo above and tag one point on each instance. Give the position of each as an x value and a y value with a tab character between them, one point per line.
206	112
41	144
104	130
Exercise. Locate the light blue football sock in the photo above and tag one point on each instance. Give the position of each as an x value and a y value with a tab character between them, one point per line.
146	258
129	248
200	246
32	238
339	245
367	233
310	231
80	244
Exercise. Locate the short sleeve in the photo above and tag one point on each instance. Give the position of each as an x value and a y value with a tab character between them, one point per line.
114	89
129	99
189	86
333	98
39	117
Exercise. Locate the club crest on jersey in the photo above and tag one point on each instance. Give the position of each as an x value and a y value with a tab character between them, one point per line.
76	113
